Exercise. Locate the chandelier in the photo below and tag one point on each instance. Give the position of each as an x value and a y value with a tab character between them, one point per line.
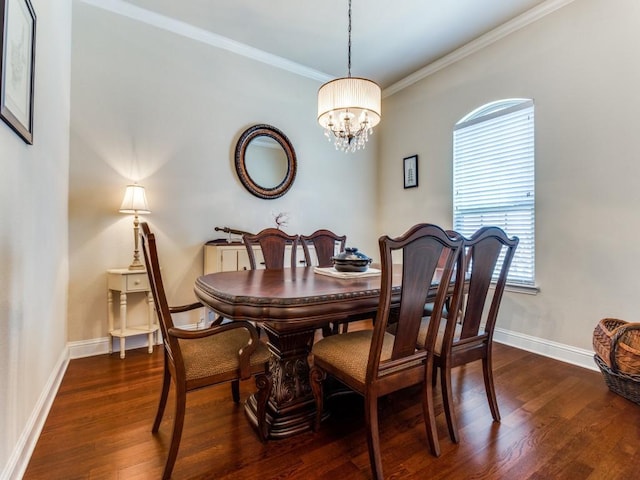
349	108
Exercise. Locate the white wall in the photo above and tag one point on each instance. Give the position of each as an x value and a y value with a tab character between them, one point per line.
165	110
33	244
580	65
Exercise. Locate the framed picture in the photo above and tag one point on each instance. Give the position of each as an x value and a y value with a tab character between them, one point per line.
17	46
411	171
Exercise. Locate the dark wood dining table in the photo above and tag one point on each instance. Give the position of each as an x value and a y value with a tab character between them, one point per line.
290	305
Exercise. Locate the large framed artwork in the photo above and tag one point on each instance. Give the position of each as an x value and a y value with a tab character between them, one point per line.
18	48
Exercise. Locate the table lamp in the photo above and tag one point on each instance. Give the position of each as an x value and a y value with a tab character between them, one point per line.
135	201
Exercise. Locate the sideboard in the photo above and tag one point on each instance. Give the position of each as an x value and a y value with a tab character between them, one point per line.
223	256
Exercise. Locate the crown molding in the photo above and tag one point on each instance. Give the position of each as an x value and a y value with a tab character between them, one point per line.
148	17
478	44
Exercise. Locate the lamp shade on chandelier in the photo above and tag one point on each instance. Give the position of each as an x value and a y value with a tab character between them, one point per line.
349	108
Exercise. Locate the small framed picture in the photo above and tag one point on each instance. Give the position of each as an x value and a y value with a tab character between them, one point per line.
17	47
411	171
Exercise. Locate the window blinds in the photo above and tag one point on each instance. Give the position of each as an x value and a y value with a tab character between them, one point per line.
493	178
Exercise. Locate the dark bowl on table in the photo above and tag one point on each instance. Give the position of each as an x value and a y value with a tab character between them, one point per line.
351	261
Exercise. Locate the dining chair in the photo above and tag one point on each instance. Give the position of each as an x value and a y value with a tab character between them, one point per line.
274	244
324	243
375	362
202	358
428	308
468	336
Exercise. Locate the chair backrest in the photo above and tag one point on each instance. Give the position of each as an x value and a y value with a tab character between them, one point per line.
324	243
422	246
274	244
152	265
489	251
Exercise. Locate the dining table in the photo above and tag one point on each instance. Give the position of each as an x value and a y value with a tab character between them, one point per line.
290	305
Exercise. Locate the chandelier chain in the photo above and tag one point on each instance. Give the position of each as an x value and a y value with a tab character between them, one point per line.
349	55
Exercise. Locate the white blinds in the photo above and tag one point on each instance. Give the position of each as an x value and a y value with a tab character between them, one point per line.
493	178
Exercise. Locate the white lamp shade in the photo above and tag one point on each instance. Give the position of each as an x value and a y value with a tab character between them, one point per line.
135	200
355	95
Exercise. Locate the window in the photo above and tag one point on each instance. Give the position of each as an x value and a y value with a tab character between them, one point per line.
493	177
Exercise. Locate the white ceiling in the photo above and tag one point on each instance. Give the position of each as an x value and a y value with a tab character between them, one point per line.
390	40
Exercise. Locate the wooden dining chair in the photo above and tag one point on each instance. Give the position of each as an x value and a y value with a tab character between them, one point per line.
428	308
274	244
375	362
202	358
324	243
468	336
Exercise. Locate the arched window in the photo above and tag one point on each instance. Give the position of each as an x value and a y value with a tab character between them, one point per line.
494	180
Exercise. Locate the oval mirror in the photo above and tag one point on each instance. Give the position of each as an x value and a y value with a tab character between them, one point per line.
265	161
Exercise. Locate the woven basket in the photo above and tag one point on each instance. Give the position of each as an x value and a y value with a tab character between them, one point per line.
617	343
627	386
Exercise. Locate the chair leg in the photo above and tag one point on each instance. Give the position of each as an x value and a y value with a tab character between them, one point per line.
429	413
373	436
264	384
176	436
487	370
447	401
166	384
316	377
326	330
434	375
235	390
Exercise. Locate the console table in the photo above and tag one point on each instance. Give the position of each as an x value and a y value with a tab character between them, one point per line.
127	281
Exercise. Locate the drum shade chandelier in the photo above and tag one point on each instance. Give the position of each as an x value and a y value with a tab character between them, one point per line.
349	108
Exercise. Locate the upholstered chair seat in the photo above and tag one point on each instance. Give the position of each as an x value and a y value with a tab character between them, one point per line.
349	353
437	347
204	357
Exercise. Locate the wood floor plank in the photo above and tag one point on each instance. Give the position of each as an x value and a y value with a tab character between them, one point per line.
558	422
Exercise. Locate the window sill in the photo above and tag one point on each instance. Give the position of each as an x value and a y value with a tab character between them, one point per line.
526	289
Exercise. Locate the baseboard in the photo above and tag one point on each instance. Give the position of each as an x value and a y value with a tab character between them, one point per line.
19	460
89	348
558	351
100	346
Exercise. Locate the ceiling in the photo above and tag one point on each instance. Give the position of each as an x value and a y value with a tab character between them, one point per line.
390	40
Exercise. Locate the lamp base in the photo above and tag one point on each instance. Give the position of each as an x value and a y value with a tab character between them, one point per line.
136	266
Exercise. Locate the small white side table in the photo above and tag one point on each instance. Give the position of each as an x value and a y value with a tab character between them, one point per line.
128	281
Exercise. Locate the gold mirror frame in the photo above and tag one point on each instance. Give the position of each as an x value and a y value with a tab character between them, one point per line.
246	138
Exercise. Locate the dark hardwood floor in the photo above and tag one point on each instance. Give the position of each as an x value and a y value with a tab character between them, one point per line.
558	422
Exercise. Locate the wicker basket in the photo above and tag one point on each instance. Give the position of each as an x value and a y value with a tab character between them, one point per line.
627	386
617	343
